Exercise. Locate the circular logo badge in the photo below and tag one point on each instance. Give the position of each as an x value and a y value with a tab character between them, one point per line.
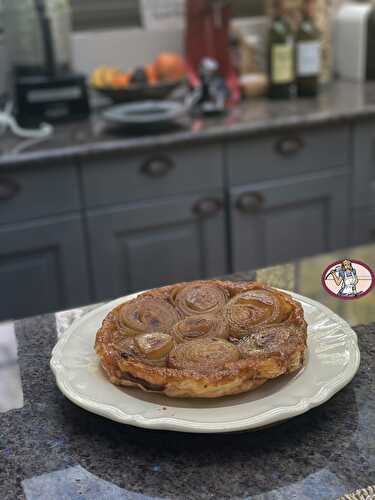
348	279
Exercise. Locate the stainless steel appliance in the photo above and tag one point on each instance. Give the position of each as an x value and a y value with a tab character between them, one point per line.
37	34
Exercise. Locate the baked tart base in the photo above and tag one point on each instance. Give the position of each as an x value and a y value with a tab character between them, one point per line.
203	339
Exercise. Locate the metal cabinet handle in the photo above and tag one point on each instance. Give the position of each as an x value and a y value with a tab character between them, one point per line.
288	146
157	167
250	202
8	188
207	207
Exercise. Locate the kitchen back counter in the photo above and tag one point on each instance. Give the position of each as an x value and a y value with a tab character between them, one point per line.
338	102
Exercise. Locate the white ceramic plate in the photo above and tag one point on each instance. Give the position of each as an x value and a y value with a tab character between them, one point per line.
332	361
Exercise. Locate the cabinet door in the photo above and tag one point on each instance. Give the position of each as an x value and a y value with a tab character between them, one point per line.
363	187
42	267
152	244
283	220
362	226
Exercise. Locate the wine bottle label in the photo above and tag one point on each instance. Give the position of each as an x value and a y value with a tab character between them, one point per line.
282	63
308	58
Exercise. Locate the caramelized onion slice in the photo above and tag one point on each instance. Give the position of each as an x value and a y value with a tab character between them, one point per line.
270	339
203	354
150	348
146	315
154	345
122	343
249	310
194	327
199	298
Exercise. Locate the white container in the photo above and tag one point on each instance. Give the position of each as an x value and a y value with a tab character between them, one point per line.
350	30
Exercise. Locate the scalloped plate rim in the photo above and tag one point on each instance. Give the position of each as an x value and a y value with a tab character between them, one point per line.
280	414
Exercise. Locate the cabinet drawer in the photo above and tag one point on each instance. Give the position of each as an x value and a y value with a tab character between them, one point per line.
289	153
124	179
32	192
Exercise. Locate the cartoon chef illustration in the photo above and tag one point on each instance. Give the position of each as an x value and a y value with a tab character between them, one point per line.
345	276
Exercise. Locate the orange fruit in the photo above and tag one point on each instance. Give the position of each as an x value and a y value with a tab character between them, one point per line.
108	74
121	80
170	66
151	73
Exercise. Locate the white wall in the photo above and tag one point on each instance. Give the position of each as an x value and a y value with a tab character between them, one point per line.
126	49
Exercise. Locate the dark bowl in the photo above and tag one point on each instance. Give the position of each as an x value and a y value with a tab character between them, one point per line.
136	92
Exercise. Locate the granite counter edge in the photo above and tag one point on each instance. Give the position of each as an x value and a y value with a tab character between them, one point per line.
144	144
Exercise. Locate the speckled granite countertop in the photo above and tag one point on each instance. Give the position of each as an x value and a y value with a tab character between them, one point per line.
338	102
53	450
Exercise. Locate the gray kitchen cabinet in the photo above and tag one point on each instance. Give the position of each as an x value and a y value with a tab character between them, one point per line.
34	191
149	244
42	267
362	227
363	185
278	221
103	226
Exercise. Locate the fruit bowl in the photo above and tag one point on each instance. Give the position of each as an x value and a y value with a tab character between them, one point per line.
140	92
153	81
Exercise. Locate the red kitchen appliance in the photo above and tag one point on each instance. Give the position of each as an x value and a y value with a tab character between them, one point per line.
207	36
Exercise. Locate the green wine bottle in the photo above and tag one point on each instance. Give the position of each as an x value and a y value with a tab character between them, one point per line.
308	53
281	55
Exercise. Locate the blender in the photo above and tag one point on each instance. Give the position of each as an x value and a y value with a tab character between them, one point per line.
44	87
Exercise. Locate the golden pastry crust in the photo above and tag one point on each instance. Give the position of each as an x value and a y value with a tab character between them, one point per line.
164	340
